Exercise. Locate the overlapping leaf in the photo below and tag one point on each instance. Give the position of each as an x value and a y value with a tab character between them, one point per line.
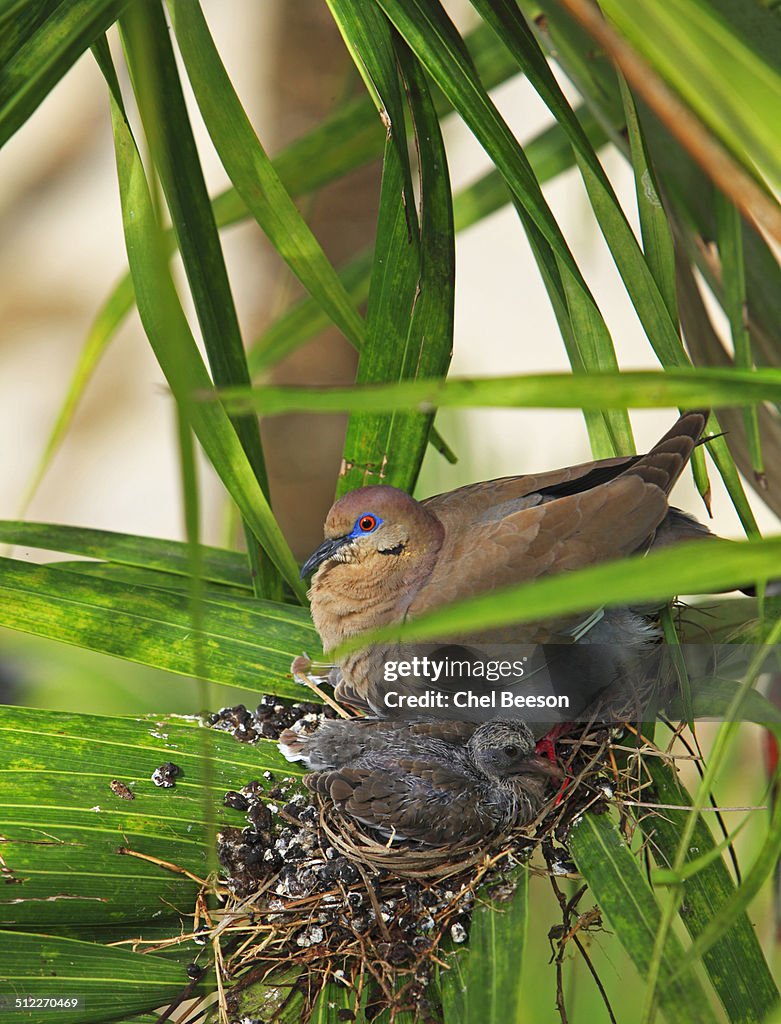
243	643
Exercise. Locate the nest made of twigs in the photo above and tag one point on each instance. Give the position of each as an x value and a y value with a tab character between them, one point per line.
405	859
348	905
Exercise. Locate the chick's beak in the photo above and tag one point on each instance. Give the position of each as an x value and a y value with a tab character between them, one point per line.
325	551
536	765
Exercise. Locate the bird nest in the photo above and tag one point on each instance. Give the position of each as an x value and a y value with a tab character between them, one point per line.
310	897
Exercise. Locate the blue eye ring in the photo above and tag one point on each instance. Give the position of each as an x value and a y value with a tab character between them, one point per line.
366	523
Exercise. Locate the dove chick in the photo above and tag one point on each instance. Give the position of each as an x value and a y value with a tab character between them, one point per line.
336	742
440	793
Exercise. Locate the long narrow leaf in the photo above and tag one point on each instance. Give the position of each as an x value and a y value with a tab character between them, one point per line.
166	124
69	877
429	342
626	899
640	389
252	172
709	351
370	453
735	962
432	36
56	771
160	580
65	787
575	51
658	245
429	333
690	568
691	46
342	142
20	20
170	556
483	983
730	241
654	225
110	982
175	348
641	285
39	63
396	257
549	154
249	644
733	912
103	328
724	741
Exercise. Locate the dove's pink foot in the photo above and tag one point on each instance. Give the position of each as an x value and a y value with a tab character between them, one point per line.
546	747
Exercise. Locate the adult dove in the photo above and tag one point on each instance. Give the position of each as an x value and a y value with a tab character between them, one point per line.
387	558
426	788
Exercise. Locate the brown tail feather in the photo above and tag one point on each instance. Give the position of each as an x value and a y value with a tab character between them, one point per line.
666	460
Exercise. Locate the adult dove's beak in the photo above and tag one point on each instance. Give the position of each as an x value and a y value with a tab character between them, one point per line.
326	550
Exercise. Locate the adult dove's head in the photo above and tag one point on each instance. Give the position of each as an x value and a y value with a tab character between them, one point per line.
378	530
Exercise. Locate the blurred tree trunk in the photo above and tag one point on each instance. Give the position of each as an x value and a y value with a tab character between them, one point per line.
314	74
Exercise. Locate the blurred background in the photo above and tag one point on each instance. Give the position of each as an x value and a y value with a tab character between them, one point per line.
62	251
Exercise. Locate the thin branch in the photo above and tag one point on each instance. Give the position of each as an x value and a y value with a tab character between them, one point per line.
595	976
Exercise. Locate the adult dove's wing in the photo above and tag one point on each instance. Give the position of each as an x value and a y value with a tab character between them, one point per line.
541	533
494	499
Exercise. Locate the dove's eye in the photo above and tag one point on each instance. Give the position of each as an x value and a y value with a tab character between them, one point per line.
511	751
367	523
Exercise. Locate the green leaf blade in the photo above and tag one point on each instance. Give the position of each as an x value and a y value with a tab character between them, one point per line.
104	977
253	173
483	983
249	644
626	899
46	51
176	351
735	964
